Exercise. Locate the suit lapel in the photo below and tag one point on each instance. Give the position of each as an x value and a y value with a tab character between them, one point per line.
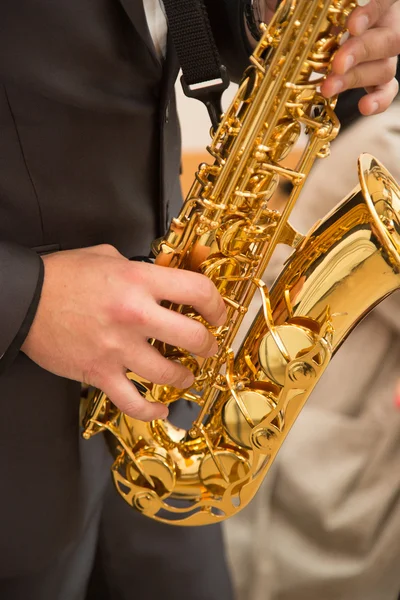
171	67
135	11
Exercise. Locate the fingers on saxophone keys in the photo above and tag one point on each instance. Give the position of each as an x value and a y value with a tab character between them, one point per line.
367	14
147	362
126	397
376	44
178	330
193	289
377	73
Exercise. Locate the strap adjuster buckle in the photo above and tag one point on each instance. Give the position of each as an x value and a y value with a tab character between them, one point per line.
210	93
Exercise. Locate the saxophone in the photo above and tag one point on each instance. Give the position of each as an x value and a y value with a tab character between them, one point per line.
246	403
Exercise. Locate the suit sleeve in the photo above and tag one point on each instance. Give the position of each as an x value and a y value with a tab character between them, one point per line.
21	279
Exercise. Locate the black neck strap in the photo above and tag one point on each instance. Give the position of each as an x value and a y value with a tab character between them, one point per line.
204	77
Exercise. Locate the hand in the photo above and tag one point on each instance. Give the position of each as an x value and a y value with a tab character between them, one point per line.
368	58
96	312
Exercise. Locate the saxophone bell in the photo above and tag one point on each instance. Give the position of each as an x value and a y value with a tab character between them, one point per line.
246	403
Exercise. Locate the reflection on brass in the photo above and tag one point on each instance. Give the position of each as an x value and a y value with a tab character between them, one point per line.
294	338
245	404
234	465
258	406
160	469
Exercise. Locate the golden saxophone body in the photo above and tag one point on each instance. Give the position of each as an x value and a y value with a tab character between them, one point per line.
246	403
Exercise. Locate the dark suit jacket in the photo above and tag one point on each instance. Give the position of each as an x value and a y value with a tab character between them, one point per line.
83	138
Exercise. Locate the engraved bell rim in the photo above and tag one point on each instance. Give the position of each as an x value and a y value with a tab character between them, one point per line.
368	168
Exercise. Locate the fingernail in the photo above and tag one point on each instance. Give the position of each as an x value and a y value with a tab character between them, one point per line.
344	38
188	381
213	349
337	87
363	2
361	24
373	108
349	62
164	413
223	317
